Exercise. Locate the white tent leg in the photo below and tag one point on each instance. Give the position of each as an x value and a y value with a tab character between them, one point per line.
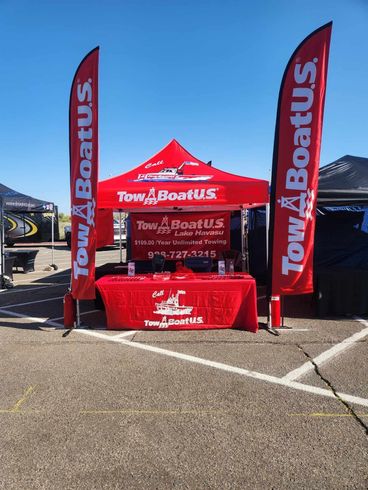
267	259
120	239
267	231
52	237
53	265
2	239
78	314
244	241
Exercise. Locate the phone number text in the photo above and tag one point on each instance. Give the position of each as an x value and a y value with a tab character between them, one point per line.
182	254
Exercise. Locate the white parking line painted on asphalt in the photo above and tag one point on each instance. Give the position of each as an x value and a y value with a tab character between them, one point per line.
125	334
37	272
84	313
295	330
30	282
328	354
32	318
52	285
33	302
361	320
232	369
197	360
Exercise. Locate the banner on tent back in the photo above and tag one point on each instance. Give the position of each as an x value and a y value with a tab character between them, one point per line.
83	134
180	235
295	165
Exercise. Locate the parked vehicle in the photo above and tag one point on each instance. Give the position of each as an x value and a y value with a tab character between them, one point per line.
117	232
68	234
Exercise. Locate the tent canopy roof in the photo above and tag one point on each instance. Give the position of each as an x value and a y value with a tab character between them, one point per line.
17	202
344	182
174	179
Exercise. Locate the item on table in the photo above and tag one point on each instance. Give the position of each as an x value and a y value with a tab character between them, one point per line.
161	276
181	268
221	267
230	266
127	278
131	269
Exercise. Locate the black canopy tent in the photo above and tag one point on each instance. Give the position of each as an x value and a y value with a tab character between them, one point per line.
344	182
341	239
14	201
342	214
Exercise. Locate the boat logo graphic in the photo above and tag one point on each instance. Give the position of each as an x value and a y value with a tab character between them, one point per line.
171	305
173	174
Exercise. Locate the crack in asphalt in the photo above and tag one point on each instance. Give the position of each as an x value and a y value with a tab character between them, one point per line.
332	388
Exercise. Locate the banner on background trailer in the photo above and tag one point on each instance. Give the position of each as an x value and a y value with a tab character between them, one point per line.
180	235
83	141
296	164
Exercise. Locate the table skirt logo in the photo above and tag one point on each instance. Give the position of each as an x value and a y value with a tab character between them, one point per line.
172	307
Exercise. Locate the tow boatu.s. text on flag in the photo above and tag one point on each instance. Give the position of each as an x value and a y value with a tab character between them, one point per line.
83	142
295	165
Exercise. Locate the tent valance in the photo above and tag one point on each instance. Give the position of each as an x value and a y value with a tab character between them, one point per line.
173	179
13	201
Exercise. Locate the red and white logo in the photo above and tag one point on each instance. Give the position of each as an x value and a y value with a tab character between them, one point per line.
154	196
295	167
171	307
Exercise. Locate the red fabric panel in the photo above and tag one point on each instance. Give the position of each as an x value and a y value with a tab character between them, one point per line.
296	162
179	235
199	301
83	135
104	227
174	177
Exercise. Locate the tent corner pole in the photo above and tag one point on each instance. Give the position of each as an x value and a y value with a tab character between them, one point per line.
244	241
267	230
52	238
269	319
77	323
2	240
120	239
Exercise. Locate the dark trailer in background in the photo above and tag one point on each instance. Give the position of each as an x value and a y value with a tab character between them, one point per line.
30	227
26	219
18	210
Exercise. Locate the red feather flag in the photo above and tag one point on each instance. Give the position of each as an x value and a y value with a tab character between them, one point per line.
83	141
295	166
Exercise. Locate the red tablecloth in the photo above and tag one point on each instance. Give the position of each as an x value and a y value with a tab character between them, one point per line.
196	301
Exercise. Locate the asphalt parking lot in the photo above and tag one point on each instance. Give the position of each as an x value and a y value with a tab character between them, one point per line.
192	409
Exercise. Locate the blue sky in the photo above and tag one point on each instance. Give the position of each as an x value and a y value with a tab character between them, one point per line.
204	72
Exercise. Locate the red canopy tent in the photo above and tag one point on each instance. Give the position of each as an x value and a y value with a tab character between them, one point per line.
173	179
